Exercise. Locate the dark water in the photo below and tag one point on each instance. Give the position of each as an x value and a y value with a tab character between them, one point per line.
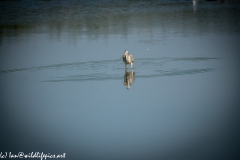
64	88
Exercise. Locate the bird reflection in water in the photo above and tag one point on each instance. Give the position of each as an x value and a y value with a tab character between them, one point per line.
129	78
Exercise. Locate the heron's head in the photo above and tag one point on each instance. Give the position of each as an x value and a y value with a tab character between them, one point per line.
126	52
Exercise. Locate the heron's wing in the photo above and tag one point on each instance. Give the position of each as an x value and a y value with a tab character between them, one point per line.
132	58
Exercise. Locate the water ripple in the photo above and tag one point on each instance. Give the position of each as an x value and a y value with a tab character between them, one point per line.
114	69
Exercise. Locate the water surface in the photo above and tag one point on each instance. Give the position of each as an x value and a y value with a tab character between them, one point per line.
64	88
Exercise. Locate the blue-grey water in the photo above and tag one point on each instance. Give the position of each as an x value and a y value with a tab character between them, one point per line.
64	88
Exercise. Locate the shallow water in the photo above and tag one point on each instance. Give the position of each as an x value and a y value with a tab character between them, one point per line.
64	88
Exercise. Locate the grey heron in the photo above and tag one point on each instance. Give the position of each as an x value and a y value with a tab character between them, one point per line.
127	58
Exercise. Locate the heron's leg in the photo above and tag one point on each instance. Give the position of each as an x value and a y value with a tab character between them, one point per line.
125	66
131	65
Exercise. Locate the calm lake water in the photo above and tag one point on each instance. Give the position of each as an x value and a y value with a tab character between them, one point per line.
64	88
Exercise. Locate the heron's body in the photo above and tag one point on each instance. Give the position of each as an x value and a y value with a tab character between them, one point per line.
128	58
